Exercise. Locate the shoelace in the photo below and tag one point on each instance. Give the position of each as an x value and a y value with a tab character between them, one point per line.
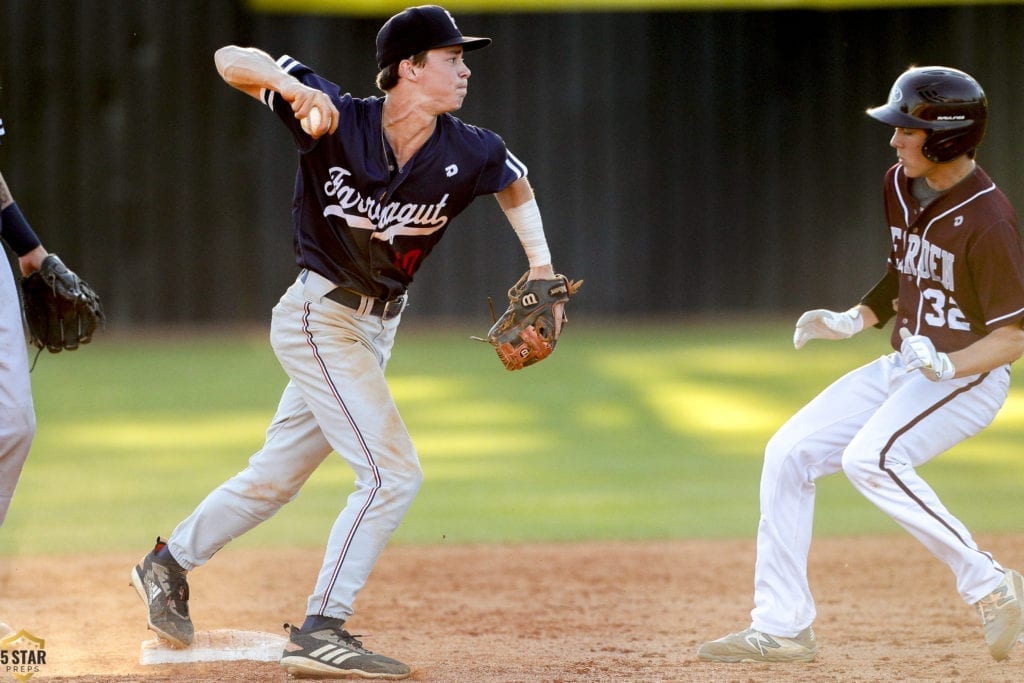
987	610
353	641
178	593
343	636
985	613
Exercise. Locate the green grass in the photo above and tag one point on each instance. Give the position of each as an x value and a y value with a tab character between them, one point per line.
629	431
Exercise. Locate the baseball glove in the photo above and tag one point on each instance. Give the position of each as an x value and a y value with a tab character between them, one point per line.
61	310
528	331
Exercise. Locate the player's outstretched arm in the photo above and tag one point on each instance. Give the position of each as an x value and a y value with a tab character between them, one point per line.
252	70
520	207
249	69
529	329
825	324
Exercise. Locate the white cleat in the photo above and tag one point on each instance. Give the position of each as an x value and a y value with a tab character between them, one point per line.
1002	615
754	646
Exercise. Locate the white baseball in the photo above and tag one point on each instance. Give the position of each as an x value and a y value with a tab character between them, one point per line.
312	121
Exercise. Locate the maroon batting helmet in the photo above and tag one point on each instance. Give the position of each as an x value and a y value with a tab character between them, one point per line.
946	102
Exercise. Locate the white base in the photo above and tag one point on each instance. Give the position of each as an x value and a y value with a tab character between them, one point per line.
216	646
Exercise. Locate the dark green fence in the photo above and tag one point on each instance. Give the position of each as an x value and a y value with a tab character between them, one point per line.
690	162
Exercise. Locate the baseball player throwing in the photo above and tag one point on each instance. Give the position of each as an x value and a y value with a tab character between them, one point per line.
955	285
378	183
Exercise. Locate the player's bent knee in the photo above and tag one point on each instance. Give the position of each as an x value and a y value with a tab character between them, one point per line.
398	488
28	432
781	453
18	431
408	482
861	466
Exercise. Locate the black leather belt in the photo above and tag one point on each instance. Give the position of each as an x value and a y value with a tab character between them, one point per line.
385	309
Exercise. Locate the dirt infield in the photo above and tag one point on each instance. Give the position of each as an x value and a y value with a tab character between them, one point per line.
623	611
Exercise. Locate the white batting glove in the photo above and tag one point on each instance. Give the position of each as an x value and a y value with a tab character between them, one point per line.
824	324
919	354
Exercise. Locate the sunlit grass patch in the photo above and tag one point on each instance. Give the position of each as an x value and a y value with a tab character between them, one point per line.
627	431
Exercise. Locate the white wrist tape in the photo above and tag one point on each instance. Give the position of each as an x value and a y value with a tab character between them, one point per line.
526	221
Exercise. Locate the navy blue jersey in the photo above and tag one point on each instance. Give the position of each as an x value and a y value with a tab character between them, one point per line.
363	226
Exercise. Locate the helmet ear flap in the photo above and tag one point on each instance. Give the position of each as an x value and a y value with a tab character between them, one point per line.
938	149
942	146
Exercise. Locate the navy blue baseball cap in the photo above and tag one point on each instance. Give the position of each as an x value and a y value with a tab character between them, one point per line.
416	29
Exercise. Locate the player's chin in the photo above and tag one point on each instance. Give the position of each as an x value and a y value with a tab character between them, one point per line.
914	170
911	172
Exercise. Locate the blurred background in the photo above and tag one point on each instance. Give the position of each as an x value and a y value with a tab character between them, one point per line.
688	159
709	170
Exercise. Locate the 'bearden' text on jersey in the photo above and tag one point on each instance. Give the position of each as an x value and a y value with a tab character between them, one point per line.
926	260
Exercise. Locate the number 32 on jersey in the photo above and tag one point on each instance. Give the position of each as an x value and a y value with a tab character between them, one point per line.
941	310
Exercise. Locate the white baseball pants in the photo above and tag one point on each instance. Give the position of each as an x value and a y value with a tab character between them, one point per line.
17	414
336	400
876	424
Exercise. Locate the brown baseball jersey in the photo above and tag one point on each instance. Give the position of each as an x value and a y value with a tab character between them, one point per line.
956	267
